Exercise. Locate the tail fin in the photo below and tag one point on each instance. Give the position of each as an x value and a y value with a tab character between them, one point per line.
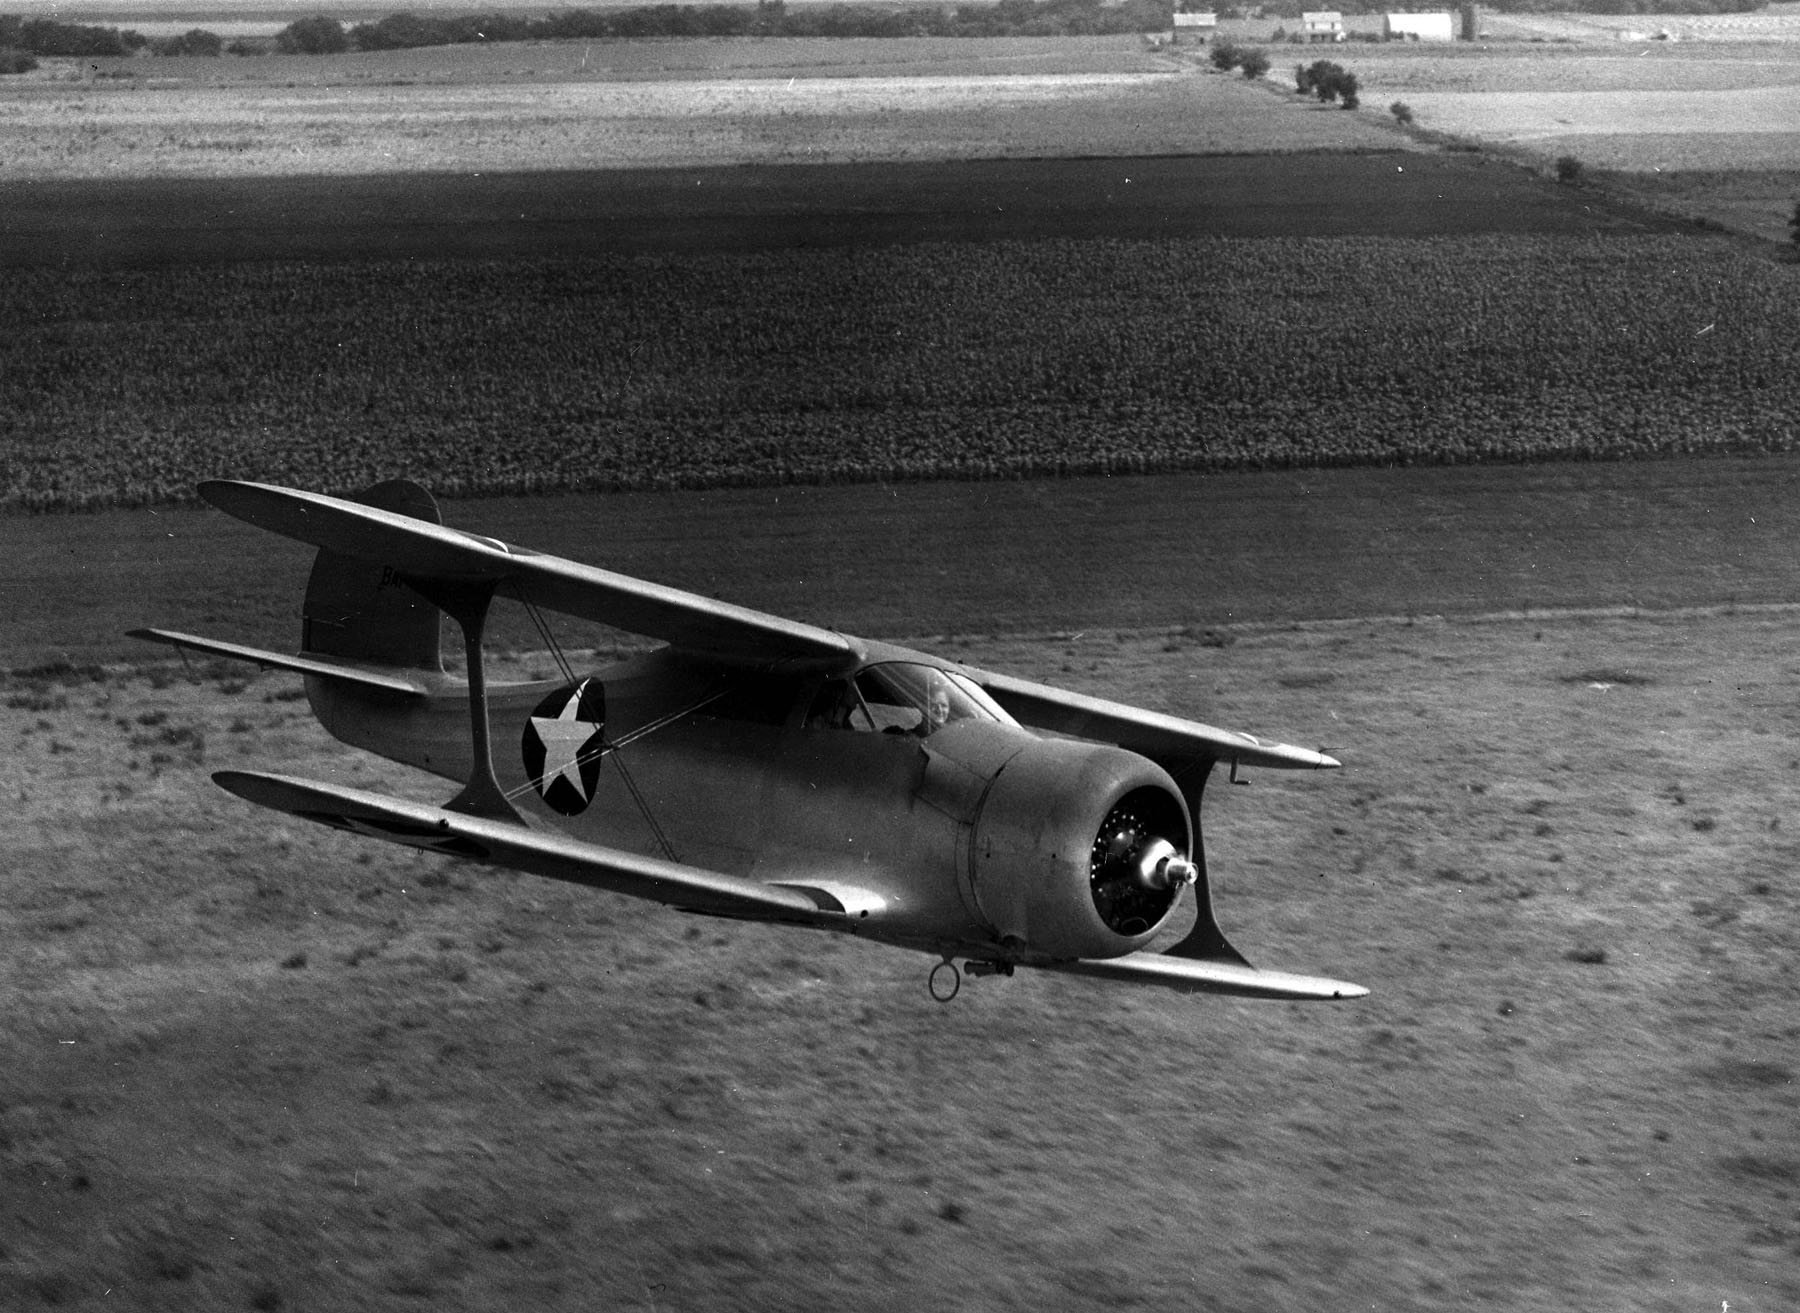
363	612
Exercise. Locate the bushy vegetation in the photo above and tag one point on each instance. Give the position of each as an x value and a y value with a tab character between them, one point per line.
44	36
16	61
1227	55
313	36
915	362
1327	81
195	41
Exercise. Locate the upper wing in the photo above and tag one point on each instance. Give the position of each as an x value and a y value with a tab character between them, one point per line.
430	551
502	843
1151	733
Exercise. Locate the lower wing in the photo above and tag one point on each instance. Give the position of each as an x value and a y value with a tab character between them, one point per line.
1191	976
503	843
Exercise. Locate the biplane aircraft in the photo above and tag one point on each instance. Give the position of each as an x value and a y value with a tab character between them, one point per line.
753	767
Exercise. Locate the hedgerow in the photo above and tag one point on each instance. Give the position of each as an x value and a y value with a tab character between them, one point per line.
957	361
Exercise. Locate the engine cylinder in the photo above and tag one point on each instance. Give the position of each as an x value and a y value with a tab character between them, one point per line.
1079	850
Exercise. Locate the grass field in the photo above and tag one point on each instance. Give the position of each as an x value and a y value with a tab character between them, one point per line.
260	1064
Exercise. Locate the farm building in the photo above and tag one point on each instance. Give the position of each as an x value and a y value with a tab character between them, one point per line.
1418	27
1321	25
1195	24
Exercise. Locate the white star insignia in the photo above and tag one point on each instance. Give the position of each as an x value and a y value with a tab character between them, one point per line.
563	739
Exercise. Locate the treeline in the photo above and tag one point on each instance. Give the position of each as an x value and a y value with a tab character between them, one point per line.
321	35
766	18
25	37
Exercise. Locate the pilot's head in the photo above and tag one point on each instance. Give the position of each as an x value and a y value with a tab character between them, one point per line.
937	703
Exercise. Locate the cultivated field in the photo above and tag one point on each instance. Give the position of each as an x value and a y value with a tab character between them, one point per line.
1710	130
650	103
967	360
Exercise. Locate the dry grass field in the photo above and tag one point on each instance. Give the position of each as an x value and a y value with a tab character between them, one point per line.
253	1064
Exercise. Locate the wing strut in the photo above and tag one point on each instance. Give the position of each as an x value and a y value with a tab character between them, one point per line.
467	604
1205	942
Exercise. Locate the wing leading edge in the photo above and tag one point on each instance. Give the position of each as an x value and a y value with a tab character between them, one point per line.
507	844
428	551
1209	976
1157	736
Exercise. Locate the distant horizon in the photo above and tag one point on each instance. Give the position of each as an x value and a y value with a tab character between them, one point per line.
116	11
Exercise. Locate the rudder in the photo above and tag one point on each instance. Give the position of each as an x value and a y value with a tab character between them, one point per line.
360	611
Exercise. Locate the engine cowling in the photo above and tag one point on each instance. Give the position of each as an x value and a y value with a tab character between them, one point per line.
1079	851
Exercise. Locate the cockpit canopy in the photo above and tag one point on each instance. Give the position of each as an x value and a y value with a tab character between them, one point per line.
903	697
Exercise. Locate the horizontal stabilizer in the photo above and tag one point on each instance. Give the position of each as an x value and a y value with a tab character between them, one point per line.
1191	976
1151	733
508	844
421	550
305	665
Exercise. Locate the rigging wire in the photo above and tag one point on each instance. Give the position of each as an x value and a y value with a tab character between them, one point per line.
611	747
556	652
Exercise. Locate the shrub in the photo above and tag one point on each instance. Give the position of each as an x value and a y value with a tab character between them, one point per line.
1401	111
1568	169
17	61
1254	64
1226	56
1794	225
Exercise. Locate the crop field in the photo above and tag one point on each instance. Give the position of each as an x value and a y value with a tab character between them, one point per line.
1776	23
665	59
963	360
641	105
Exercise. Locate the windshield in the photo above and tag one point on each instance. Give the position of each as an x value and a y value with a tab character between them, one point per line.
903	697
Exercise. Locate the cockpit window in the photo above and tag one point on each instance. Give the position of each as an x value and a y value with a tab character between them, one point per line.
903	697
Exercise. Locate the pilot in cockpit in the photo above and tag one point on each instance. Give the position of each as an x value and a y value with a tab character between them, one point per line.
937	706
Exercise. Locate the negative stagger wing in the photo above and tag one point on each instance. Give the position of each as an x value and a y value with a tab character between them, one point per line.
753	766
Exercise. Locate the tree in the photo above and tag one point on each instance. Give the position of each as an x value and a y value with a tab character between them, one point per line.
1225	56
1401	111
1329	82
313	36
196	41
1254	64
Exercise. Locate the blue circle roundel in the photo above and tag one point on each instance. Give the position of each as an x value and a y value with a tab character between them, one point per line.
562	744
